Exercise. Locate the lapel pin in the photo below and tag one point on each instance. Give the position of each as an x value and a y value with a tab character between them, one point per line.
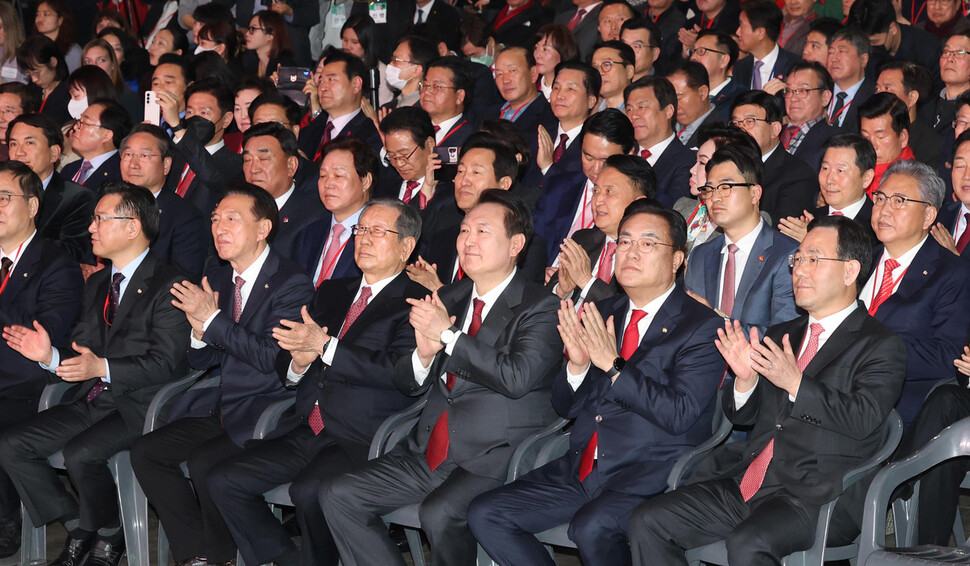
286	219
266	286
25	275
925	273
664	329
761	258
139	291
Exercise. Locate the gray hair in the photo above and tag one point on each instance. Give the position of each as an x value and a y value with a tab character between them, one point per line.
408	223
931	187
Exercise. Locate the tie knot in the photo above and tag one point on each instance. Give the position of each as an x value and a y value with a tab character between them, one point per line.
478	305
240	281
758	64
645	153
563	138
842	96
732	249
412	185
365	293
611	247
6	262
637	315
330	126
815	329
437	129
891	265
338	230
116	279
966	217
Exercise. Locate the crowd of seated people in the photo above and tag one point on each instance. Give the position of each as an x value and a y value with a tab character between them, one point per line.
632	219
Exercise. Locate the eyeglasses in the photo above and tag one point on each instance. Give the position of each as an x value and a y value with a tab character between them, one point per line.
747	122
376	231
254	29
605	66
129	155
955	53
724	189
80	123
962	124
5	198
399	60
897	201
644	245
96	219
798	92
392	158
810	260
433	88
702	51
640	45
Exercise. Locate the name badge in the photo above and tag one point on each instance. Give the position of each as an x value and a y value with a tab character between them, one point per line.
378	12
338	16
9	72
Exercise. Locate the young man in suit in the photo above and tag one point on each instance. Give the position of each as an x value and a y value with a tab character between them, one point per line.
790	186
694	108
445	96
96	137
907	81
489	368
848	167
42	283
587	259
338	356
575	92
834	365
884	121
744	272
643	372
916	287
232	316
171	77
951	228
65	210
615	62
128	343
808	91
718	52
669	20
583	22
849	51
325	248
611	18
146	160
340	89
759	26
643	36
271	162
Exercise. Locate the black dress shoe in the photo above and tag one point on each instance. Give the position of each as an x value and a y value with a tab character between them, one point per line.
106	554
75	551
9	537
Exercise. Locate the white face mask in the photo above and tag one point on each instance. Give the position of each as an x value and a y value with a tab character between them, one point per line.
76	107
392	75
200	49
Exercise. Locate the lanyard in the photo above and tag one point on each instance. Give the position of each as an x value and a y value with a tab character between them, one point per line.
327	268
514	114
782	40
835	117
453	130
7	278
582	218
709	22
877	288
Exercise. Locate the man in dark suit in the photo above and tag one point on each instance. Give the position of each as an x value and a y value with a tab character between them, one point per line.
232	319
719	15
583	22
917	287
202	164
952	223
744	272
128	343
759	26
339	357
816	393
441	17
65	210
898	42
848	56
516	76
270	161
489	371
808	92
669	22
790	186
643	36
911	83
847	169
445	96
651	106
649	387
884	121
694	108
182	240
517	22
588	257
718	52
566	202
575	92
42	283
340	90
325	248
96	137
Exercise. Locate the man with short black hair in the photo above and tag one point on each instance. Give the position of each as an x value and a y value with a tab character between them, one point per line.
446	94
718	52
884	122
669	22
808	91
611	18
911	83
694	108
615	62
575	92
643	36
15	99
516	76
759	26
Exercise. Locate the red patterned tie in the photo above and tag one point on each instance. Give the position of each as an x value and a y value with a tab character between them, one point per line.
82	173
645	153
237	299
188	175
438	441
754	476
577	17
631	339
605	271
560	148
886	288
327	132
727	291
409	191
355	309
965	237
330	255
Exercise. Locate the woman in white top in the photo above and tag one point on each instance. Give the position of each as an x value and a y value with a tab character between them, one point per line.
357	38
11	36
554	43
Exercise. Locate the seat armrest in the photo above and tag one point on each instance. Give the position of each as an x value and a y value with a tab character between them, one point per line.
271	417
394	428
167	394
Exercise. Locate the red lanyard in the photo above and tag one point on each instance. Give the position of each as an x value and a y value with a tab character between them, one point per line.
876	288
582	218
782	40
333	262
7	278
835	117
453	130
709	22
514	114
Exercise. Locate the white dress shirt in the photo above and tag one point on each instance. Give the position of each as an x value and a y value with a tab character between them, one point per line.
249	275
852	210
658	149
871	287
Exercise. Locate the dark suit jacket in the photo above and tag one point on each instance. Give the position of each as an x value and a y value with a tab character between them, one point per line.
310	243
445	20
592	241
246	351
930	311
586	32
301	209
810	149
864	218
145	346
56	105
212	172
360	127
744	68
726	21
835	423
790	186
926	143
571	160
44	286
949	216
528	120
764	296
504	375
110	170
520	29
724	99
553	212
65	216
183	235
851	121
671	51
389	186
673	172
660	406
712	118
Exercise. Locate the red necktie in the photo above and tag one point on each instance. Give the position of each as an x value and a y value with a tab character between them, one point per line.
330	256
237	299
560	148
605	271
188	175
409	191
327	132
631	339
727	291
438	441
965	237
886	288
577	17
754	476
788	135
837	213
645	153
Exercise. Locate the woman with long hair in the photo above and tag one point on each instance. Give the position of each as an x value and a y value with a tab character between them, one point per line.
44	64
132	59
55	20
267	44
99	52
357	38
11	38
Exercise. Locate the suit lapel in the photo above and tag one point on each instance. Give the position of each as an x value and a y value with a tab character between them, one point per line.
137	287
754	266
920	272
375	308
712	269
501	313
261	289
840	339
26	265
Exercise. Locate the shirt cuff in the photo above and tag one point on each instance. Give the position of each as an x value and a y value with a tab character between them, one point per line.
546	169
328	351
420	372
575	380
450	347
741	398
587	287
107	372
55	360
292	377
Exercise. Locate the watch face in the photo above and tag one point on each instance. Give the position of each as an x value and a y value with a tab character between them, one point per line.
618	364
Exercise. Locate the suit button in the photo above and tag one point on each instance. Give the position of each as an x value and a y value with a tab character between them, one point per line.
427	428
319	385
451	401
599	418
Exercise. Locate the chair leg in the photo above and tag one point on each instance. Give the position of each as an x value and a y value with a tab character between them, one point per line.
33	542
133	506
415	545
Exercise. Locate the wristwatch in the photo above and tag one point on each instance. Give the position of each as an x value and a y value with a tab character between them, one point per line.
178	127
449	335
618	365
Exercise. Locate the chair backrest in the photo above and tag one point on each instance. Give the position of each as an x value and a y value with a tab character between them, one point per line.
539	449
395	428
722	429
